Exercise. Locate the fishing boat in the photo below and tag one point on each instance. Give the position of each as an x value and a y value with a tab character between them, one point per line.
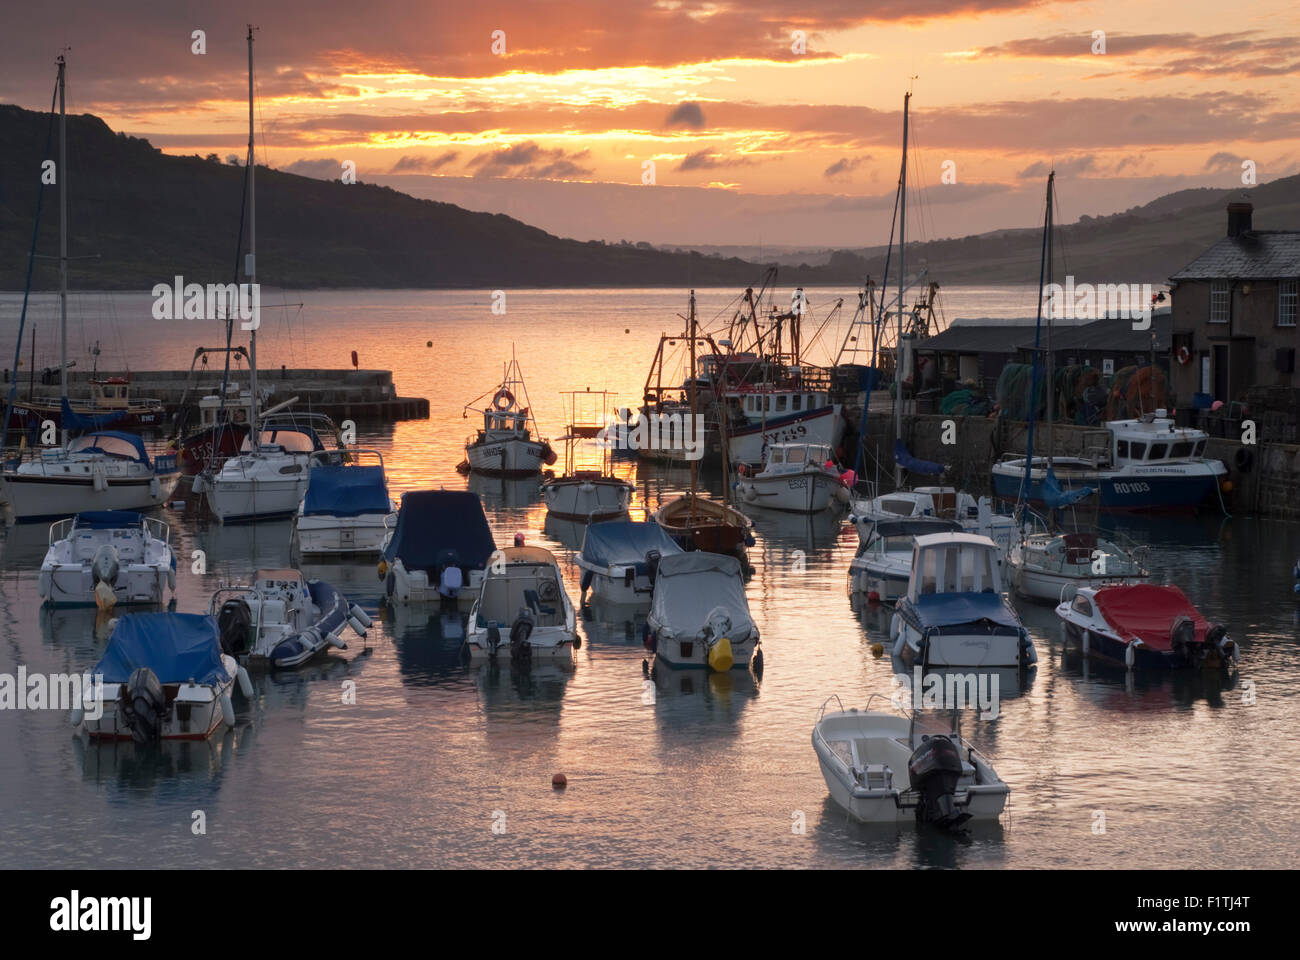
110	402
507	444
885	767
282	619
699	616
586	492
346	508
437	549
795	478
106	558
1145	625
1048	566
620	559
223	419
954	613
882	567
523	612
164	678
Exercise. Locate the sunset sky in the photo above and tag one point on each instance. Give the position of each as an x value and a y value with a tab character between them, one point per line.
780	147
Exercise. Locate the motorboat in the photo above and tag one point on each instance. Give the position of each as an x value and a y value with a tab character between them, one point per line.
796	478
523	612
164	678
884	767
282	619
267	482
507	444
1145	625
346	508
974	514
620	560
106	558
699	616
1048	566
954	613
882	567
437	548
587	491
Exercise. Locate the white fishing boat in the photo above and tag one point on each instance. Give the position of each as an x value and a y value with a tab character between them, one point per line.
620	559
346	508
885	768
795	478
763	415
164	678
282	619
107	558
954	613
974	515
882	567
699	616
265	483
507	445
1050	566
437	549
588	491
523	612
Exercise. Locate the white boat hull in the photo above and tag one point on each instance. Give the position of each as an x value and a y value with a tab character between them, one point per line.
507	457
362	535
73	584
203	716
959	649
413	586
823	425
809	492
34	497
545	643
587	500
255	498
694	652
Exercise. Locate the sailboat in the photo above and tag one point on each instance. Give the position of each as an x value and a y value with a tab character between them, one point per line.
1051	564
692	519
102	469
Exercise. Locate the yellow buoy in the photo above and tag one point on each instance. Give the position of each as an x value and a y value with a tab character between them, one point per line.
877	649
720	655
105	598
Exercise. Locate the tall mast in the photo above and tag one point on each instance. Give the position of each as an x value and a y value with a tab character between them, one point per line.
902	273
250	262
1051	359
1038	357
63	242
691	374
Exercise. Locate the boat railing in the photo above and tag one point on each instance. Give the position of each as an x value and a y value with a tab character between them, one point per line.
157	529
350	455
60	529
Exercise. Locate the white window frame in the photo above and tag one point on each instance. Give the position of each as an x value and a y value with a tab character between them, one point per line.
1219	289
1288	299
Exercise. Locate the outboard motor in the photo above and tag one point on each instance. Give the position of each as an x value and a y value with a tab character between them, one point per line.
143	706
104	568
521	651
934	770
1182	637
652	558
1216	640
235	626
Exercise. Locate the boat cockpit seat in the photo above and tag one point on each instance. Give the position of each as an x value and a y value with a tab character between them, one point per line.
874	776
534	604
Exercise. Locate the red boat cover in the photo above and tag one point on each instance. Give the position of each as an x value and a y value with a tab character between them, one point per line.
1148	611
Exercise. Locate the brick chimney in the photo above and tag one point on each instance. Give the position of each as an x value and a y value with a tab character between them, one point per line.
1239	212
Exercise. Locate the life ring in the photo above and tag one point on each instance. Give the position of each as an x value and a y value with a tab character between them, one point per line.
507	396
1184	356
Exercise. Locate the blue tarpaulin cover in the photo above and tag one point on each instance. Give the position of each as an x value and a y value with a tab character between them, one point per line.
625	543
79	421
1055	497
118	444
346	491
178	647
440	527
107	519
949	609
912	464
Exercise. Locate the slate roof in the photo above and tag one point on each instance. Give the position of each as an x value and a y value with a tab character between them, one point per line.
977	338
1255	255
1110	334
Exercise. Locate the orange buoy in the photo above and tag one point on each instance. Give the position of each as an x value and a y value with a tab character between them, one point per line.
559	781
877	649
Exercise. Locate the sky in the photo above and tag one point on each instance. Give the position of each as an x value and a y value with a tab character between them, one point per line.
762	122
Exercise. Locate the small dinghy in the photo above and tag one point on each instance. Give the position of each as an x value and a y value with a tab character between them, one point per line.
165	678
795	478
1145	625
698	523
437	548
346	508
283	620
885	767
107	557
882	567
699	616
954	613
523	613
620	560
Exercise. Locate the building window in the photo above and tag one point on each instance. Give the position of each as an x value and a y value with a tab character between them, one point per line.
1219	303
1286	303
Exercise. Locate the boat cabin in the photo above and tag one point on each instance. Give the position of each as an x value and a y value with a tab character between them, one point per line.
287	439
496	421
793	457
110	393
1155	439
768	404
954	563
527	580
238	409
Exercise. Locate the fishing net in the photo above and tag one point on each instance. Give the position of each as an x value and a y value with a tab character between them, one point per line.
1012	391
1135	391
966	402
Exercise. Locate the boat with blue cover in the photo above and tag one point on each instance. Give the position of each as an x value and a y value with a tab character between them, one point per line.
346	507
437	548
620	559
165	677
107	557
954	613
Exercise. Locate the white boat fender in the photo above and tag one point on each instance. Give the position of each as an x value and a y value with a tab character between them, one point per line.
155	488
361	615
1087	637
47	584
894	627
1130	653
99	479
899	644
357	626
227	709
171	576
77	715
245	683
334	640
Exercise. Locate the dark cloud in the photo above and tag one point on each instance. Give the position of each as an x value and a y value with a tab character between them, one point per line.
323	169
708	160
844	166
421	164
1070	166
530	160
1222	161
686	115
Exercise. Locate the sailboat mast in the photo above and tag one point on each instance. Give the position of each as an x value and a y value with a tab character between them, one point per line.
1051	359
691	374
63	242
902	273
250	264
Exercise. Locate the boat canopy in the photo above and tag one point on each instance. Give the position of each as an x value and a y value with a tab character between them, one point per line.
913	527
953	563
914	465
950	609
624	543
107	519
1148	611
112	443
294	439
437	528
87	421
691	585
177	647
341	491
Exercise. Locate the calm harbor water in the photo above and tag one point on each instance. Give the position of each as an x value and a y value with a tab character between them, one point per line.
1188	770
